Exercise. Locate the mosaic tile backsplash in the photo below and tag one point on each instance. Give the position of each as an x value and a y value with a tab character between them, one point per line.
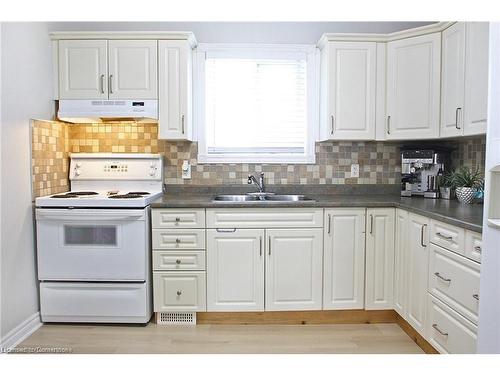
379	161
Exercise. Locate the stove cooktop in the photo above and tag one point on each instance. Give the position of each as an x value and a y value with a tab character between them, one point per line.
113	198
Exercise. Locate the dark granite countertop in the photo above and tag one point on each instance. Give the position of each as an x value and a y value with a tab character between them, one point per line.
451	212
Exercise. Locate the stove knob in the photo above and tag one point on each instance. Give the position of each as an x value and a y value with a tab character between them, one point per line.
78	172
152	172
78	164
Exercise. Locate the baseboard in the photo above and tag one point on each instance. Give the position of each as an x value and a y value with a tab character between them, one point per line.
415	336
16	335
298	317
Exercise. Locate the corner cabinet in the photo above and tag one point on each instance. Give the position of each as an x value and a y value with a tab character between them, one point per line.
413	87
348	71
175	90
107	69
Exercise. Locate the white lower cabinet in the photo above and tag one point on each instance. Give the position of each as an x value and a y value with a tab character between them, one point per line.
294	269
418	264
179	291
344	259
235	263
379	258
401	263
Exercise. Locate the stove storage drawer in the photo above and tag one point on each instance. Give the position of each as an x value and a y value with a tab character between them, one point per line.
178	260
448	236
179	291
178	218
178	239
454	279
448	331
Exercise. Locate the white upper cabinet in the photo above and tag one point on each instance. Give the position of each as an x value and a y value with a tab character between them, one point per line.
294	269
83	69
133	69
344	259
453	80
348	90
175	89
85	72
413	86
379	259
476	78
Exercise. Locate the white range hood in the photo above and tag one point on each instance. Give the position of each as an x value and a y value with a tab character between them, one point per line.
84	111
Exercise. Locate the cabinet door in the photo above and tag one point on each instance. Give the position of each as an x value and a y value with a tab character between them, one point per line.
352	77
83	69
401	263
175	72
476	78
132	69
413	85
344	259
235	270
418	265
293	269
379	259
452	83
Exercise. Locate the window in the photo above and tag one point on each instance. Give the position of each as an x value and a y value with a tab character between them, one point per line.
257	104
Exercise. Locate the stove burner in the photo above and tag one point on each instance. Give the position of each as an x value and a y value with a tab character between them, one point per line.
67	195
139	192
82	193
125	196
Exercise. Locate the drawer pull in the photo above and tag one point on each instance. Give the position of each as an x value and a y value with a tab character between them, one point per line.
441	277
178	261
179	292
477	248
444	237
435	326
177	240
476	296
177	220
226	230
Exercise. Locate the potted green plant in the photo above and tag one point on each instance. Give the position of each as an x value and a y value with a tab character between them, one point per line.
446	187
466	182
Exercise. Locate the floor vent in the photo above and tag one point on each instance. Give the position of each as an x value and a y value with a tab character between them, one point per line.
176	318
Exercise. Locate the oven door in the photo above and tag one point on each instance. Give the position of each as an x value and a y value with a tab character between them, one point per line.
92	244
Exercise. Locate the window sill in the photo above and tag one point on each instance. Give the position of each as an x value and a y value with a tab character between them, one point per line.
254	159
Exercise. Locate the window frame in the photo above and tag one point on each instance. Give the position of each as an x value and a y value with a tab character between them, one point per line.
254	51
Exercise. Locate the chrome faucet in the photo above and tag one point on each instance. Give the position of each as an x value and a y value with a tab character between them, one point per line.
259	183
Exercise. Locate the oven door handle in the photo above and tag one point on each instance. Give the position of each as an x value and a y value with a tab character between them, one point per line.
89	215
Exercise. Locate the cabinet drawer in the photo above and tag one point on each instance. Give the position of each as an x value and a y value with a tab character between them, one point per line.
454	280
473	245
179	291
178	239
265	218
178	218
448	331
178	260
448	236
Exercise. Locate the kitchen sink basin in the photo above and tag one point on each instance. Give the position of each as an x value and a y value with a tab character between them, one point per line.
262	198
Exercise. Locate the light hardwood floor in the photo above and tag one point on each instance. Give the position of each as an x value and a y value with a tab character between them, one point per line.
334	338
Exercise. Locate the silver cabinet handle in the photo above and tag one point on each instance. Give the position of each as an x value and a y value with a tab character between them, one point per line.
182	123
332	118
441	277
371	224
102	83
477	248
444	237
476	296
179	292
177	240
111	83
456	117
230	230
388	124
422	235
435	326
329	223
260	246
269	252
178	261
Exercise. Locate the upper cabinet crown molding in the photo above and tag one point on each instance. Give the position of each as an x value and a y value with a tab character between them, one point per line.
126	35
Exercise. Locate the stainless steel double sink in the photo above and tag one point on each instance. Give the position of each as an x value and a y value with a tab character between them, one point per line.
261	198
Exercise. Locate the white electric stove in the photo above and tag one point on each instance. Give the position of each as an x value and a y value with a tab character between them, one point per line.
93	242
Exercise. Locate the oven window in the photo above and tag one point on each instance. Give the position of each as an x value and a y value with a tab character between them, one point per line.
90	235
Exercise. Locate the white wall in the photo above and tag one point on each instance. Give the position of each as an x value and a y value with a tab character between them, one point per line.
26	90
489	304
244	32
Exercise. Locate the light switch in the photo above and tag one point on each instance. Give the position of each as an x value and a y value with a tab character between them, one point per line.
186	170
354	170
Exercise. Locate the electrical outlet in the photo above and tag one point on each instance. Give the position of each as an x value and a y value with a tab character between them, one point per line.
186	170
354	170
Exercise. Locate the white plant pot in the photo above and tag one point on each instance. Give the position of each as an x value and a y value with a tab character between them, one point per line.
465	194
